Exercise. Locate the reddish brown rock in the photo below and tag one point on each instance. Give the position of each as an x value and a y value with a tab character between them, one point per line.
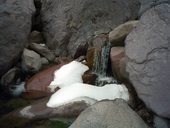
89	77
90	57
117	57
95	49
38	111
36	86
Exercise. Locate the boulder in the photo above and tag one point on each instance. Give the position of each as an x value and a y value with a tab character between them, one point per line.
117	36
148	59
117	57
15	26
148	4
43	51
70	24
31	61
109	114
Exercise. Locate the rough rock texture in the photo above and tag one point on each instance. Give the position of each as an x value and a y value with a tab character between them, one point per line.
38	111
117	57
117	36
148	59
10	77
43	51
44	61
36	37
147	4
109	114
31	61
15	25
70	24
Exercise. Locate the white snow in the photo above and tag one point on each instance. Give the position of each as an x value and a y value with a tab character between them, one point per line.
68	74
70	93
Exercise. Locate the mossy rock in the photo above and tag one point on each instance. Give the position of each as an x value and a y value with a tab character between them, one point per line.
50	124
16	103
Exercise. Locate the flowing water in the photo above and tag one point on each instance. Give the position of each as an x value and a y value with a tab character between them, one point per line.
101	64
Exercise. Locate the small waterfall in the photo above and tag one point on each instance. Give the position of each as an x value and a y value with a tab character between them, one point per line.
100	65
101	58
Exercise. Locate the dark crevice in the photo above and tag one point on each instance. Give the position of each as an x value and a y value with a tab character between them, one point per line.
36	20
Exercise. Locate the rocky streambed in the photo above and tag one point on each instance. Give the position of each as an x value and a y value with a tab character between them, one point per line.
122	42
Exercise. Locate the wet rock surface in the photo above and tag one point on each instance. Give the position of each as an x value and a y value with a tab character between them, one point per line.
147	51
38	111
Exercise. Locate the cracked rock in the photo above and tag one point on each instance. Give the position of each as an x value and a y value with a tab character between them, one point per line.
148	59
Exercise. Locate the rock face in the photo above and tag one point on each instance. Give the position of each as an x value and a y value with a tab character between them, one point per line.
147	4
10	77
148	59
15	25
36	37
43	51
117	57
109	114
70	24
31	61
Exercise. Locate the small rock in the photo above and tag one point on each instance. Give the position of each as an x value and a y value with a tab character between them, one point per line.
10	77
109	114
89	78
44	61
118	34
31	61
36	37
42	50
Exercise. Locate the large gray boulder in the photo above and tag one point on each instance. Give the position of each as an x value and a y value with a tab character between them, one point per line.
15	25
148	4
148	59
70	24
109	114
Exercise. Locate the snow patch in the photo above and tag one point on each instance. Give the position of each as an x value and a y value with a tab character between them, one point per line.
75	91
68	74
